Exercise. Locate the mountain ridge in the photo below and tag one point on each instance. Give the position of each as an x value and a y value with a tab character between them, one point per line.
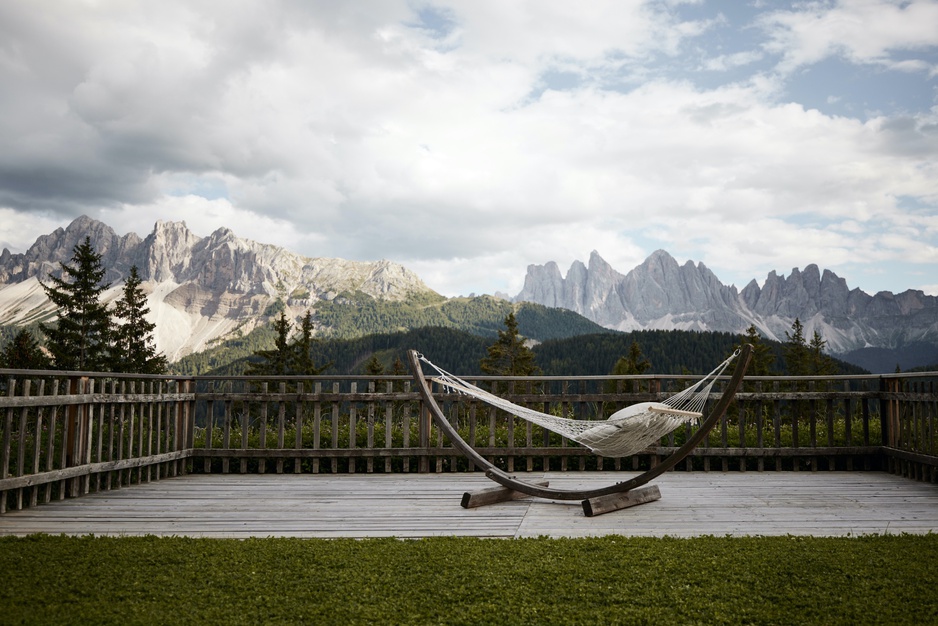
660	294
198	288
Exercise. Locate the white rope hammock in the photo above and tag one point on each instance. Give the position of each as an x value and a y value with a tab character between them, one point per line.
624	433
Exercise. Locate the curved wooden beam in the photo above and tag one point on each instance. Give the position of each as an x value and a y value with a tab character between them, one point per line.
500	477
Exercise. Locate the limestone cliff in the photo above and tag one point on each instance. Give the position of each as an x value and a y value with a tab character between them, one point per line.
660	294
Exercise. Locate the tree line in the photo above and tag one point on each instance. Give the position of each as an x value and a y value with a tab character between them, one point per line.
512	354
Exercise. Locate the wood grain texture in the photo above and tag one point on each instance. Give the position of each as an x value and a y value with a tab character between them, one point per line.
414	505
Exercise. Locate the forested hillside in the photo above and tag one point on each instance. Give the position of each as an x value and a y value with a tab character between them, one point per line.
669	352
8	332
354	323
356	315
452	349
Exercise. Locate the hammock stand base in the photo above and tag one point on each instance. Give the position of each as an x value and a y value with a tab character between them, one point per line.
597	501
494	495
591	506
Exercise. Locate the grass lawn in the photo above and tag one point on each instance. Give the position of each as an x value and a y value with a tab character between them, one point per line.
608	580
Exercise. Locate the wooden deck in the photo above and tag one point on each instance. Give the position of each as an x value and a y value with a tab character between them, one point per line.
423	505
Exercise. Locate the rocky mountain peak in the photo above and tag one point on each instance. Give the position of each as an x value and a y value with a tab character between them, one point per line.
544	283
660	294
224	235
200	287
167	251
48	251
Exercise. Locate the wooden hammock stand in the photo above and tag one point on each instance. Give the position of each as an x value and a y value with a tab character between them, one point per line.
595	501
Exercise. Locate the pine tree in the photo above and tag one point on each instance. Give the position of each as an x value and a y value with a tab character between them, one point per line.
508	356
762	356
398	369
819	363
133	339
302	350
278	360
374	367
629	365
80	339
23	353
796	350
632	364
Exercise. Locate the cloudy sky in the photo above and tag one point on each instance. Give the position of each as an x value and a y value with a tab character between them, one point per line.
468	139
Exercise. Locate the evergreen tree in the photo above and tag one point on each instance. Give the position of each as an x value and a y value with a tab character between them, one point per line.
279	360
23	353
133	339
302	350
819	363
508	356
288	357
374	367
796	350
762	356
80	339
398	369
632	364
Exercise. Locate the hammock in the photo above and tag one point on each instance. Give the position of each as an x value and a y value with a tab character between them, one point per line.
624	433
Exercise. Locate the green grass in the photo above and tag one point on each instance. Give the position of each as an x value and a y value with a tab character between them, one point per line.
609	580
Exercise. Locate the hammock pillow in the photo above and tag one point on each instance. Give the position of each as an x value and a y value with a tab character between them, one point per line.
633	428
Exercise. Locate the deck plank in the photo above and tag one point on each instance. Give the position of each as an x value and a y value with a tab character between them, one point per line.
425	505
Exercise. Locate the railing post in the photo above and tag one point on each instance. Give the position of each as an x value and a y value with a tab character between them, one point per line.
75	431
5	449
298	462
190	414
885	413
188	410
209	427
178	425
262	429
424	437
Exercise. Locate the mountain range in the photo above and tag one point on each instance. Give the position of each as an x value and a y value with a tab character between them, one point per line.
874	331
204	290
199	289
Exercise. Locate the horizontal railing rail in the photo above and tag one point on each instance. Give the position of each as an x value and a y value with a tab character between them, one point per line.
70	433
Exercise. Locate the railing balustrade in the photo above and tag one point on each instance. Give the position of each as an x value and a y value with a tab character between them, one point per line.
65	434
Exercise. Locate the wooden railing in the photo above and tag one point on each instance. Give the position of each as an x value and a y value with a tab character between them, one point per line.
909	415
67	434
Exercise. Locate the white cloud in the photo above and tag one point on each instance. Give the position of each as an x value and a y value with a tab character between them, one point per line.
863	31
725	62
342	129
20	230
203	216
